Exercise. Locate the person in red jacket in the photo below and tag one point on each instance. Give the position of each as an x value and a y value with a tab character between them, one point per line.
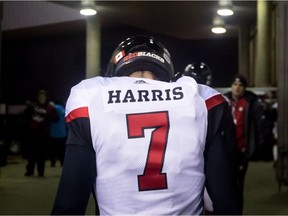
251	124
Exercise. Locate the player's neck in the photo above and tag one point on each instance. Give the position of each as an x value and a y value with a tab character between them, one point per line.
143	74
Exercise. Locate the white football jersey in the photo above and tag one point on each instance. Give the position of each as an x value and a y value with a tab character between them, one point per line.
149	138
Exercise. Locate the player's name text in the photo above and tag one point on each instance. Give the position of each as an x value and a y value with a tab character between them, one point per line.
130	96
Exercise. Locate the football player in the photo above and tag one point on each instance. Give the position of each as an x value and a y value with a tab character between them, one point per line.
146	145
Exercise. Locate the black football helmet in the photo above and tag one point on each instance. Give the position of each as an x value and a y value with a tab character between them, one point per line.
200	72
140	53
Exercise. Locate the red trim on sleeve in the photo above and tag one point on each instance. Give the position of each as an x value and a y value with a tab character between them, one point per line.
81	112
214	101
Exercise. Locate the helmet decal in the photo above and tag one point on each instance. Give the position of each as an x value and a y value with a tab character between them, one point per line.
119	56
147	54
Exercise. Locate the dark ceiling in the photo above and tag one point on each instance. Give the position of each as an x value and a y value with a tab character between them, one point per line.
188	20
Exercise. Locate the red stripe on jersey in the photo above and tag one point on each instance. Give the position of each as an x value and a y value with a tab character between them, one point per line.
81	112
214	101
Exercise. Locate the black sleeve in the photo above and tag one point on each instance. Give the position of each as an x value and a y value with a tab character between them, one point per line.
79	171
221	158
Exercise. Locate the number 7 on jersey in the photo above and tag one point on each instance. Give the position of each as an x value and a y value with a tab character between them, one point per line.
152	177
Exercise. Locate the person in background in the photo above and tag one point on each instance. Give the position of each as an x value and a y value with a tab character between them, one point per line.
200	71
39	114
58	136
249	118
146	145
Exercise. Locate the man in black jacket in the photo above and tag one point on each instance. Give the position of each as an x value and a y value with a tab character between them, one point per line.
249	118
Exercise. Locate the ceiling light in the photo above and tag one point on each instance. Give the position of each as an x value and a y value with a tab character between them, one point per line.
88	8
218	25
225	8
225	12
88	11
218	30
